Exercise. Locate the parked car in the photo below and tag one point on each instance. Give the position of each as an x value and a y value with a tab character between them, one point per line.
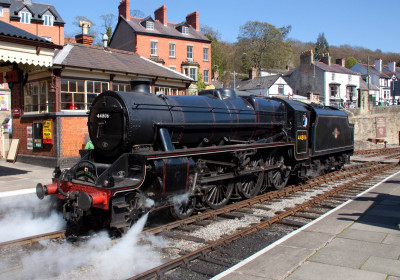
7	125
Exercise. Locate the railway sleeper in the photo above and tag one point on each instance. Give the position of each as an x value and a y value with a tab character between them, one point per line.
290	222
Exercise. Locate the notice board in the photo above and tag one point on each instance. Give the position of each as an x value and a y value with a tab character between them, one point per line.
12	152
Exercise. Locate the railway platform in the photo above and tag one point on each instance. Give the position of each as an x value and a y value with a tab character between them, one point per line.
21	178
358	240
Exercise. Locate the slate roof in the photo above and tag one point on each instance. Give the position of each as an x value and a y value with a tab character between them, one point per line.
93	57
259	83
36	9
364	85
14	32
372	70
335	68
165	31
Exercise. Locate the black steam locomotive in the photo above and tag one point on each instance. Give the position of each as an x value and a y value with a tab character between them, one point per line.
191	152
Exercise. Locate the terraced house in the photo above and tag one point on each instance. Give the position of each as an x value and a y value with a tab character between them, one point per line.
178	46
42	20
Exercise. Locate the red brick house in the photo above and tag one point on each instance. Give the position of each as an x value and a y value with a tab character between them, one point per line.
178	46
41	20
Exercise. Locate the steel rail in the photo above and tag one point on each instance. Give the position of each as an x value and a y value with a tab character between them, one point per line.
159	270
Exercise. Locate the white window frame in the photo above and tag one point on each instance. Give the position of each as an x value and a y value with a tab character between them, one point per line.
206	77
25	17
206	53
1	11
189	52
281	89
185	30
191	72
153	48
172	50
48	20
172	67
149	25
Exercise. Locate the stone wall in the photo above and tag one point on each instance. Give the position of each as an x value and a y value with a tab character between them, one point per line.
365	122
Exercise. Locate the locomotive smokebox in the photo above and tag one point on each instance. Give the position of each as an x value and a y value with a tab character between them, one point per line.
140	85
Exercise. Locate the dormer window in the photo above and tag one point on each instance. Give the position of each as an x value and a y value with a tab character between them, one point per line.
48	20
150	25
185	30
25	17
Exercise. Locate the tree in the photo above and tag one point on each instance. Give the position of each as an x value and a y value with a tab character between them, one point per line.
262	42
321	47
200	83
218	63
137	13
350	62
108	24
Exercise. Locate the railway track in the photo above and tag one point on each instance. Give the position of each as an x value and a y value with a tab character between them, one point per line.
289	217
197	219
182	230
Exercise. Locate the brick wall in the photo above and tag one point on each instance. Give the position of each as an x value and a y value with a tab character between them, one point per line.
55	32
143	49
73	132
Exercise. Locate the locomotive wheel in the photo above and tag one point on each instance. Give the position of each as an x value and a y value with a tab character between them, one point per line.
278	178
184	209
250	186
219	195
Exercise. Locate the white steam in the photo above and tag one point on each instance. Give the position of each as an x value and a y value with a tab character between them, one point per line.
23	216
98	258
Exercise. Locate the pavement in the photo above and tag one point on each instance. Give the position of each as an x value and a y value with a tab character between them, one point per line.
20	178
358	240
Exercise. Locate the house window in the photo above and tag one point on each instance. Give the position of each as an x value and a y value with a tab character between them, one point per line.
205	54
190	72
350	78
351	93
385	83
280	89
166	90
172	67
25	17
121	87
333	76
36	97
150	25
48	20
172	50
206	75
78	94
154	51
334	90
190	53
185	30
193	73
1	11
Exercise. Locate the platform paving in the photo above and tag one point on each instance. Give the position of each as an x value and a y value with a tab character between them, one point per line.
358	240
21	178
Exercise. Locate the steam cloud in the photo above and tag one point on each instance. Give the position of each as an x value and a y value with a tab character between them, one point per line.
26	215
98	258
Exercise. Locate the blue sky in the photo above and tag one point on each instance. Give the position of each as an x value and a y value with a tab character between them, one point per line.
364	23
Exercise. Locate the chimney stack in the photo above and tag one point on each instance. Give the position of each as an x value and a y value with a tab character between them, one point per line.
378	64
161	15
252	73
193	20
341	62
392	66
326	58
307	57
124	9
84	38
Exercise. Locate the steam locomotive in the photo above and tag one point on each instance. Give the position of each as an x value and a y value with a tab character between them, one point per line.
191	152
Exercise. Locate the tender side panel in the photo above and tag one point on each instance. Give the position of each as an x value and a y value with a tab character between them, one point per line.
332	134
